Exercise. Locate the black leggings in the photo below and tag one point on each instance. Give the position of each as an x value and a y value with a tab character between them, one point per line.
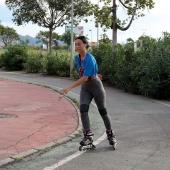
89	90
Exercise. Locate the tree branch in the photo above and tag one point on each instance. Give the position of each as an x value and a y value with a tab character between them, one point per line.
125	28
123	4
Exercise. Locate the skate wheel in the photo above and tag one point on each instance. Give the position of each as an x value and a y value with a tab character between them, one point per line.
93	147
114	146
80	148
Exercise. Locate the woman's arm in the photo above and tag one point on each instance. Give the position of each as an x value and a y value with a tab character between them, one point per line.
77	83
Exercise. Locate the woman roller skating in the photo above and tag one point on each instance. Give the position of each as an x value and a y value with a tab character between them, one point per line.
91	88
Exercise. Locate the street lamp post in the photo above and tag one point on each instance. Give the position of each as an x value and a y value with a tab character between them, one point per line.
91	37
98	28
72	52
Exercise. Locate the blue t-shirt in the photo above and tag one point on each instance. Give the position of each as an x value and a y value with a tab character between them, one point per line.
88	64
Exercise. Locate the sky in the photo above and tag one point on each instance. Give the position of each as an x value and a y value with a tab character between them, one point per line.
152	24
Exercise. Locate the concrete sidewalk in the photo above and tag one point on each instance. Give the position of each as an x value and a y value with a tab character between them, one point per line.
32	117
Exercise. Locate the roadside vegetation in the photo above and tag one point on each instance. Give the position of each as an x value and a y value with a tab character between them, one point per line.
143	68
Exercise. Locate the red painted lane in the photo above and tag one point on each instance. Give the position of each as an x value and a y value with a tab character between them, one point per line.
41	116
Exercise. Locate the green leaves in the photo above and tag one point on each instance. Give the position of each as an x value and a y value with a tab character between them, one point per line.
14	58
145	71
130	7
8	35
47	13
66	37
107	15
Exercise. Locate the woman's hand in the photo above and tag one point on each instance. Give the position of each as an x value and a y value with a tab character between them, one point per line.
77	83
65	91
100	76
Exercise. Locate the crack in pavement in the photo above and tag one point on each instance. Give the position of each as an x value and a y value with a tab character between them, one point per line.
26	138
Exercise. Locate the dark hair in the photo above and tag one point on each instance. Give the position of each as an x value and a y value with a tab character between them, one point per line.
83	39
87	47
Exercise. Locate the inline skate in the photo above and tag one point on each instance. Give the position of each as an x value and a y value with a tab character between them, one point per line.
87	142
111	138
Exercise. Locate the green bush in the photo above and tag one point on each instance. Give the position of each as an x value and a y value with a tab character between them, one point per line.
103	56
0	61
104	50
14	58
58	65
155	81
145	71
34	63
127	66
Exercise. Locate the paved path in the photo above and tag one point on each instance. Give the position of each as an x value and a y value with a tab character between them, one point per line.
32	116
141	125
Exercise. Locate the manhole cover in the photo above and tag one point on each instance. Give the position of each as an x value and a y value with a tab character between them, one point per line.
6	115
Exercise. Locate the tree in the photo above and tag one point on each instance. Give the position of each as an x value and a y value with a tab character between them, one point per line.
8	35
66	37
130	40
107	15
104	38
44	36
144	42
56	37
48	13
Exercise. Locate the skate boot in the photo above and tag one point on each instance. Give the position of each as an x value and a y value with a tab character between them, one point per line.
111	138
87	142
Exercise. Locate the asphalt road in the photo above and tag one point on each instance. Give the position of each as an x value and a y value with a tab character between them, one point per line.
141	126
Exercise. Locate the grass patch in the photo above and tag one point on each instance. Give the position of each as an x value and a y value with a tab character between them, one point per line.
1	50
18	159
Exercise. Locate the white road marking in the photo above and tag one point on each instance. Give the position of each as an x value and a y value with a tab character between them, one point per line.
162	103
76	154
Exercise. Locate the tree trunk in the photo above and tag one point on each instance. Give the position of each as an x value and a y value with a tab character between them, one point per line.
50	40
114	27
5	43
47	45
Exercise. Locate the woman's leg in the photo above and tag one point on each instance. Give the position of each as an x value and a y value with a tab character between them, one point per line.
99	95
100	99
85	100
